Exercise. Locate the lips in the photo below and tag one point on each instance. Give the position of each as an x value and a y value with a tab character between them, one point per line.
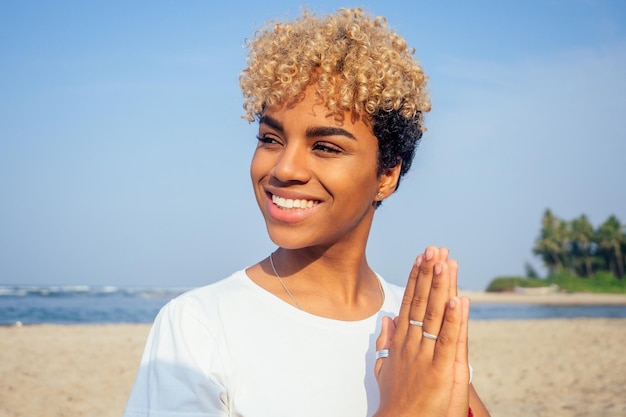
290	203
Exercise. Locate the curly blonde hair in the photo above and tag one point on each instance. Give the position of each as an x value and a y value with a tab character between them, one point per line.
356	62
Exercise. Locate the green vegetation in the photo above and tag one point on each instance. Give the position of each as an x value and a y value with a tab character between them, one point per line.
506	284
578	257
601	282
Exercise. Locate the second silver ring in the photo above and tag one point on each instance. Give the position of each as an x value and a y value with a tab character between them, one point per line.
429	335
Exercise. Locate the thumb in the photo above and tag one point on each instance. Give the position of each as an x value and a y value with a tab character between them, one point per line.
383	341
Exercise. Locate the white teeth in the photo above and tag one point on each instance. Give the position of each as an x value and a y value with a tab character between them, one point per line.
290	203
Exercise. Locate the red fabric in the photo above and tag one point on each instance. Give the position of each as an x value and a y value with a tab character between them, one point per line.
469	413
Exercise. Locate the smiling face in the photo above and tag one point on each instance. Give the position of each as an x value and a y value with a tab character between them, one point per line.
315	179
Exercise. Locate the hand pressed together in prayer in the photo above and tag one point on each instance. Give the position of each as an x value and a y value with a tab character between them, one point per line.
422	366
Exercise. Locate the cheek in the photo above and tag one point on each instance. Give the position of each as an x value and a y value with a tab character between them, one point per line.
256	167
256	175
365	171
360	182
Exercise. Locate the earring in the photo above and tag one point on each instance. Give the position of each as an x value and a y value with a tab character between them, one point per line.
379	196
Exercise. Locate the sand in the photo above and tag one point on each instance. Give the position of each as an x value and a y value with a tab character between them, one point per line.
551	368
556	298
54	371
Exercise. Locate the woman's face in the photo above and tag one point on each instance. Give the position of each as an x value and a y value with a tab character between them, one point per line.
315	179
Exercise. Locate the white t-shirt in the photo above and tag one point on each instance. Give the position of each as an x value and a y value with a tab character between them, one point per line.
234	349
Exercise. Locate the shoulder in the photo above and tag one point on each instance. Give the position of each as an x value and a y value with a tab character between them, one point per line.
194	322
205	305
233	285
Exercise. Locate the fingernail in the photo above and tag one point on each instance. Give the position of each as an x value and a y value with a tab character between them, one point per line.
453	302
438	269
429	254
419	259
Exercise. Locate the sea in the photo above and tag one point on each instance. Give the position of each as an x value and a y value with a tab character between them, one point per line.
28	305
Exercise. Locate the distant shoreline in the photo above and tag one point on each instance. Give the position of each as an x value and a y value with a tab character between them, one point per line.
547	299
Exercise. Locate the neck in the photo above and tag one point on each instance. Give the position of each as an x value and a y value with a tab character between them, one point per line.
340	267
327	283
333	281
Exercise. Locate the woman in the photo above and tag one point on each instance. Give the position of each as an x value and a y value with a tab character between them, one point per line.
339	100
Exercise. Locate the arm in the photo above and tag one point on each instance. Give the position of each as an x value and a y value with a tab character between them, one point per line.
478	408
180	368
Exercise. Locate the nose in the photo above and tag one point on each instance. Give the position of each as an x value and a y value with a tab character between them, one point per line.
292	164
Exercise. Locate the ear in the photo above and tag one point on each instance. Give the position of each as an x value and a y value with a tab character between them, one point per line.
388	182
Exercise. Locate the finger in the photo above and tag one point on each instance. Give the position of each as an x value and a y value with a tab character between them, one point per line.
443	254
445	355
403	316
423	288
462	350
453	265
437	302
461	386
384	341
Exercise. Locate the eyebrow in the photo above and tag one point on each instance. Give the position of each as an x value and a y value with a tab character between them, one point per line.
273	123
316	131
328	131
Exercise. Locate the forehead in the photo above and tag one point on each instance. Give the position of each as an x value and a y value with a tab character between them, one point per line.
310	110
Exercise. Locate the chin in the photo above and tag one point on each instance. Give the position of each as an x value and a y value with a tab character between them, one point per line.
290	243
292	239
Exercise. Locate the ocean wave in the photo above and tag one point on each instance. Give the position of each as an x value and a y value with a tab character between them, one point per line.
87	290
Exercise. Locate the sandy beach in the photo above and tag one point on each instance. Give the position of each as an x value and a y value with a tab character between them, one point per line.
551	368
556	298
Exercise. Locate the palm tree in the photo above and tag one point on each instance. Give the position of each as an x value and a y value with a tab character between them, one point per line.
552	241
610	237
581	233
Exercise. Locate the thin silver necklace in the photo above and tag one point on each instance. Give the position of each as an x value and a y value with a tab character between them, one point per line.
295	302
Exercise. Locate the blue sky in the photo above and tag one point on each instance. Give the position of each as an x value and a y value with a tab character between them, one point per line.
124	159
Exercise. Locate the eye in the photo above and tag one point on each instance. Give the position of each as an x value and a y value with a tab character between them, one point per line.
267	140
326	147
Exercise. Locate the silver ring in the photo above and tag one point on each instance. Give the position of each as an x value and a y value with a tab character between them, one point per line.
383	353
429	335
416	323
